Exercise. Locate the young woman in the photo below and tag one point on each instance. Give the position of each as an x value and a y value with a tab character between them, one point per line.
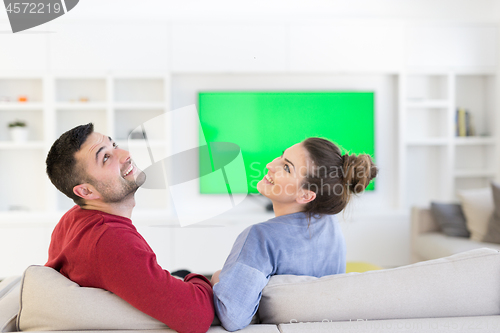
308	184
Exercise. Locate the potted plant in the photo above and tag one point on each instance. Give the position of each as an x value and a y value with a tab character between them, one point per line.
18	131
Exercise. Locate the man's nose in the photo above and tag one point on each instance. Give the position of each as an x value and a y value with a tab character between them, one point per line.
124	155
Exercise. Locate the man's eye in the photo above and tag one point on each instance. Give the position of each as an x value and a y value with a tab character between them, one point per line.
106	156
115	145
287	168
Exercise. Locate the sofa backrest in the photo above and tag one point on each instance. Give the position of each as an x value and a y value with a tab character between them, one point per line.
465	284
422	221
9	303
52	302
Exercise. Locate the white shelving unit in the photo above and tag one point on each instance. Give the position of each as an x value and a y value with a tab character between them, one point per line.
56	103
434	162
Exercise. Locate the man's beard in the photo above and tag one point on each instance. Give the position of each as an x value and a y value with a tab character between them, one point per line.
111	194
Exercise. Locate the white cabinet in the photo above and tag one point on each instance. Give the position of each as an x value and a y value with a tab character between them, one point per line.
115	104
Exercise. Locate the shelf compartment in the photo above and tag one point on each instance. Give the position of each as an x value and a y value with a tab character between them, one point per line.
427	142
21	106
476	93
33	119
469	183
74	90
81	106
436	103
128	120
23	145
424	124
425	169
68	119
12	89
24	176
139	90
139	105
470	158
471	173
474	141
427	87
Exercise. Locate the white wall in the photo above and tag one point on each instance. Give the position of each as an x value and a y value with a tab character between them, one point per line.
463	10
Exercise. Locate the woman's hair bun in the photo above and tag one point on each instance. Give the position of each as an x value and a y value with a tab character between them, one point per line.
334	177
358	171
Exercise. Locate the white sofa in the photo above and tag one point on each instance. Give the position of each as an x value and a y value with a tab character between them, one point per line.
454	294
428	242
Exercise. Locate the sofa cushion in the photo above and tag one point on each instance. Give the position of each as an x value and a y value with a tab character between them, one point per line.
9	303
450	218
465	284
480	324
493	231
478	207
434	245
51	302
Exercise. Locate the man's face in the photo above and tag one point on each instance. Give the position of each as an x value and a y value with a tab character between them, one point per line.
109	169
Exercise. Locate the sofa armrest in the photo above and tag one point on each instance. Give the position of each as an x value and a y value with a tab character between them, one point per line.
422	222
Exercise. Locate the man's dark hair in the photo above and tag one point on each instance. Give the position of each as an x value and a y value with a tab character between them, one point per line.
62	168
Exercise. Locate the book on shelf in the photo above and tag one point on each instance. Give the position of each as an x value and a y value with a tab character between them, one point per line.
463	123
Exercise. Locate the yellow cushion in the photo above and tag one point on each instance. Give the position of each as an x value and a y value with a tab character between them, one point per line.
361	267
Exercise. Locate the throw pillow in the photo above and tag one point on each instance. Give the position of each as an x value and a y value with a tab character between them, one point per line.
493	231
478	206
450	219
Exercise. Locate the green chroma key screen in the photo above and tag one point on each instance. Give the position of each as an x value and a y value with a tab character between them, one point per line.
263	124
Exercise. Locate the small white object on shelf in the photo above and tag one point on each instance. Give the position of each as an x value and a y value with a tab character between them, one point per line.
19	134
18	131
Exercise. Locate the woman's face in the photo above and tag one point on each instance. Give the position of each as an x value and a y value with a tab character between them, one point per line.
285	176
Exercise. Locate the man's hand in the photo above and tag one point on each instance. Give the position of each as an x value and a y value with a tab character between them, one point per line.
215	277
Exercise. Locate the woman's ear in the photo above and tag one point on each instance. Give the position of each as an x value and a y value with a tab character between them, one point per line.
306	196
86	191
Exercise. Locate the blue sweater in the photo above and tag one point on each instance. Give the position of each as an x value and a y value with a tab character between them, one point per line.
282	245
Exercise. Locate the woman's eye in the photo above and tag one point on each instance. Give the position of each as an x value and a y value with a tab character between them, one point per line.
287	168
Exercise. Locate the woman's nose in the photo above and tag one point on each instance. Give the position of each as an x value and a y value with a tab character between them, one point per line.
270	166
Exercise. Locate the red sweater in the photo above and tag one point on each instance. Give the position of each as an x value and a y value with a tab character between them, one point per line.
100	250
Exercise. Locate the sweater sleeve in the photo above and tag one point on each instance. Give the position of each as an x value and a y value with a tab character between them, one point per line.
128	268
244	275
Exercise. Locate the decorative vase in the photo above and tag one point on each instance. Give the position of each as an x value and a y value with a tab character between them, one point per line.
19	134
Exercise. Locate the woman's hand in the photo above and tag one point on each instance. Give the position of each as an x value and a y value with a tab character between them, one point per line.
215	277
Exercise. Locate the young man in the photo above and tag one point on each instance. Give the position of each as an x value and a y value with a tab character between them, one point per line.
95	243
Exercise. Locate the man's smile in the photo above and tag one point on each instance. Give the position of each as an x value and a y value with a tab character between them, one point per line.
129	170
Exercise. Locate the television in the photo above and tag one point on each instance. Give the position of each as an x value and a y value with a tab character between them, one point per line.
264	124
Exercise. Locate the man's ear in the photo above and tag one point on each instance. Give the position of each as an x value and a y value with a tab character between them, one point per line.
86	191
306	196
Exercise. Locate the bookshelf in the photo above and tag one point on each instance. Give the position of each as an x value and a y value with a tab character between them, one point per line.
434	162
56	103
